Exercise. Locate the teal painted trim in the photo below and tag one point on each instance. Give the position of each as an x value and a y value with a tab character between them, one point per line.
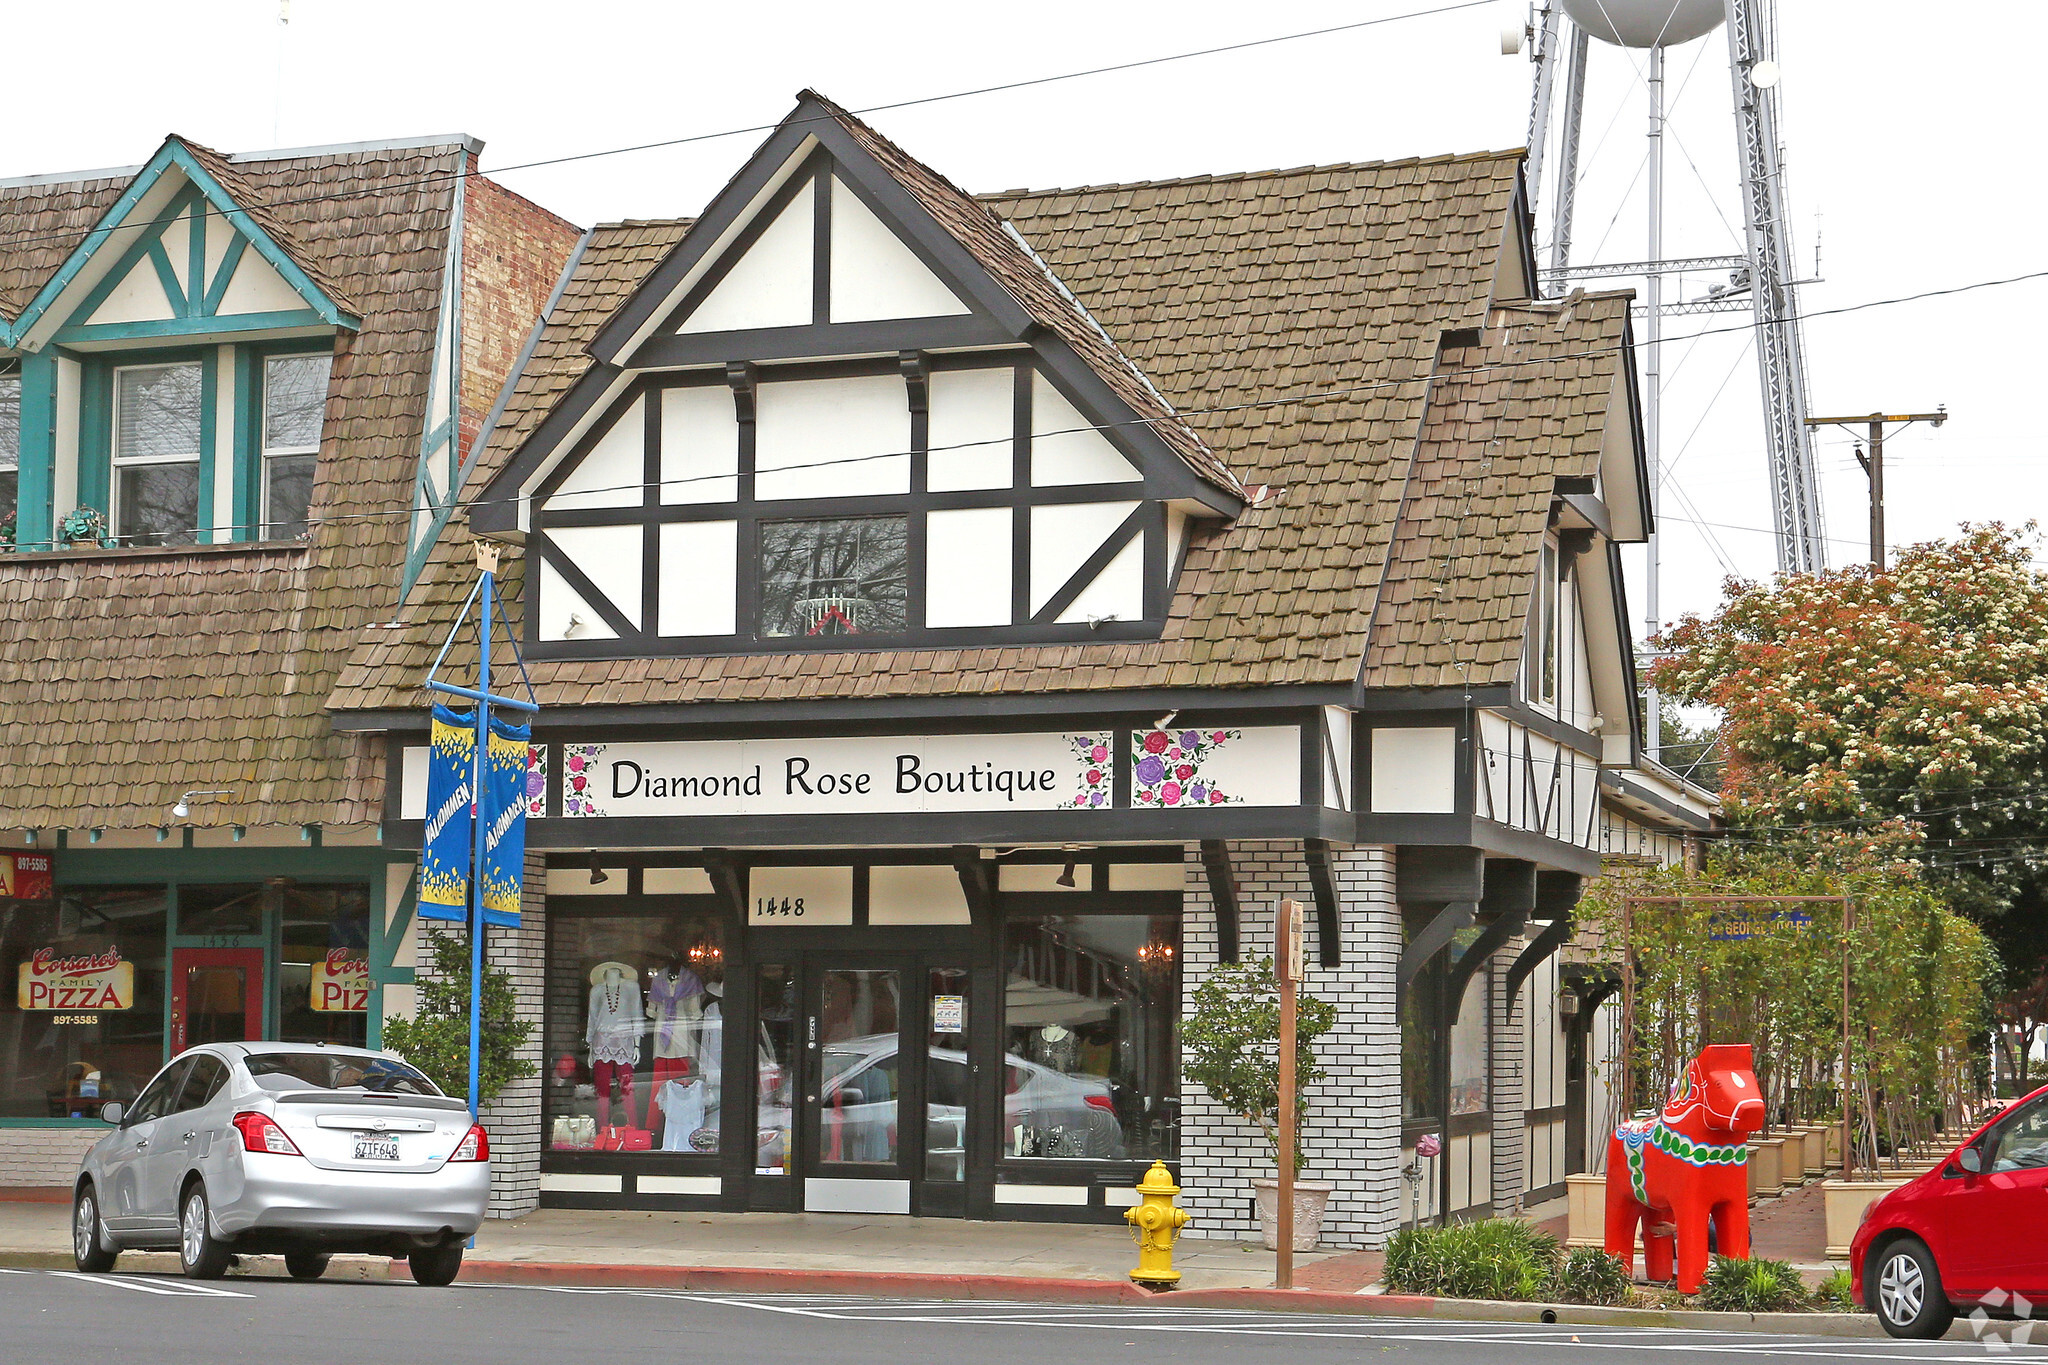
220	940
34	518
56	1123
143	246
248	479
93	866
209	406
387	947
167	276
110	222
235	324
225	274
95	435
173	153
195	261
302	283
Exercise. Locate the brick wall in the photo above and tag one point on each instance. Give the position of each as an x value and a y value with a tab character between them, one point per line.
513	251
1509	1042
1353	1134
513	1118
44	1156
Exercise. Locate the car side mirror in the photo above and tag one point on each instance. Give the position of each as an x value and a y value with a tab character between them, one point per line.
1971	1160
111	1112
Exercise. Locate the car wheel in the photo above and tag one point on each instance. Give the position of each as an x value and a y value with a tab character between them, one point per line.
1905	1291
436	1266
88	1248
306	1265
204	1256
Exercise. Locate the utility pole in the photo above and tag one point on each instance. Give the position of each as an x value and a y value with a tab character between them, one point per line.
1288	963
1873	463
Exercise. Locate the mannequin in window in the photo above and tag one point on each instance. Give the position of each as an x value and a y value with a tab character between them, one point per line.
612	1033
675	1002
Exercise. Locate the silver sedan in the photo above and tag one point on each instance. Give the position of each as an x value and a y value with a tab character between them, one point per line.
298	1148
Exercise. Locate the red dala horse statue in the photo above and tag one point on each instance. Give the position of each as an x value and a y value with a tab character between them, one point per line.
1673	1173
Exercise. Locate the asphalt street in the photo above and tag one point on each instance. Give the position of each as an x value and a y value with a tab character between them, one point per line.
163	1320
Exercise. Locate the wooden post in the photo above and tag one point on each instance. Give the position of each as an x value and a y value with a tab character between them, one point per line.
1848	1129
1288	964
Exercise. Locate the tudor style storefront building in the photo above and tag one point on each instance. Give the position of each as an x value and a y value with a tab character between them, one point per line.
957	622
262	372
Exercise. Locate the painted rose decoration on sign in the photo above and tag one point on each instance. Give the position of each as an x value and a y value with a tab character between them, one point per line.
537	782
579	779
1091	759
1166	767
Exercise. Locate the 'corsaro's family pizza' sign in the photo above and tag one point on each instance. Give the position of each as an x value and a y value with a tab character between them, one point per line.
342	982
87	981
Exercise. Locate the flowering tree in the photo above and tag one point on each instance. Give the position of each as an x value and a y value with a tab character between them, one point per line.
1892	716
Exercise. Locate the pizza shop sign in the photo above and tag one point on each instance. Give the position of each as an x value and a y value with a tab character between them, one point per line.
87	981
341	982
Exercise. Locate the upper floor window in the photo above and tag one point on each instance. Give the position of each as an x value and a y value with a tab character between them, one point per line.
10	453
843	577
158	421
294	402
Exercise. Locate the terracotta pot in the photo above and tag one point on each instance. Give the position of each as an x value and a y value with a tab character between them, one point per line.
1311	1199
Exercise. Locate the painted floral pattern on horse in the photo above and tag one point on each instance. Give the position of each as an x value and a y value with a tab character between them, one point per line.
1671	1175
1166	767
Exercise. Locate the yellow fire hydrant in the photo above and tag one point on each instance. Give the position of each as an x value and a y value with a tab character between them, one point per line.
1155	1222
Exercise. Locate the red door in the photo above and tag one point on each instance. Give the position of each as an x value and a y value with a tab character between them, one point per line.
216	996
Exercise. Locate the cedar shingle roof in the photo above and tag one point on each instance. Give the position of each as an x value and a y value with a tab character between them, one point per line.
127	677
1291	317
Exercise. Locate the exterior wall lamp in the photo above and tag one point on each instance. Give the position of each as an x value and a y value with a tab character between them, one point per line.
184	806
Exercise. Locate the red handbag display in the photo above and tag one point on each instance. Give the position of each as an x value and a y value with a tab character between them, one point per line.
623	1140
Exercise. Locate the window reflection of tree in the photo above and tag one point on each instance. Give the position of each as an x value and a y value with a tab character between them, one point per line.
847	577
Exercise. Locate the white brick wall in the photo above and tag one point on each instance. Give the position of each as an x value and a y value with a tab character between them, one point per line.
1353	1134
513	1119
1510	1086
44	1156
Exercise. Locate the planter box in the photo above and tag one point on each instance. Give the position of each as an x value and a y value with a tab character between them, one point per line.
1832	1146
1766	1160
1311	1199
1817	1149
1846	1200
1585	1220
1792	1163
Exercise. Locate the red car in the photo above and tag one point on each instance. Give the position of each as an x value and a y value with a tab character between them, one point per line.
1968	1233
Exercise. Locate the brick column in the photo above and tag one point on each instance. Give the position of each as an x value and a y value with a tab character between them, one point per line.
1354	1113
1509	1062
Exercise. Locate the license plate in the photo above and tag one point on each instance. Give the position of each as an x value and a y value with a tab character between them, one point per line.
376	1149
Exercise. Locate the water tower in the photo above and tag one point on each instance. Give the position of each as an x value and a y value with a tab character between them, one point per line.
1759	280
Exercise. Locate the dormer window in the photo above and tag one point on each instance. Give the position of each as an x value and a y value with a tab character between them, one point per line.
158	447
294	404
10	448
1539	661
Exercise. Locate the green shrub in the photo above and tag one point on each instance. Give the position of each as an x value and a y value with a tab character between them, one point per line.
1836	1295
1590	1275
436	1038
1753	1286
1496	1258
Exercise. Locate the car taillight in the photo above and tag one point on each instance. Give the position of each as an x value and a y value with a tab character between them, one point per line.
475	1146
261	1134
1099	1102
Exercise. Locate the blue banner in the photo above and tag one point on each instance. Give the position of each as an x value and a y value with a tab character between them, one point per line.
502	820
445	844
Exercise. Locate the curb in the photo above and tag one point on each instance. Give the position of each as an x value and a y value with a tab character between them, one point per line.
1020	1289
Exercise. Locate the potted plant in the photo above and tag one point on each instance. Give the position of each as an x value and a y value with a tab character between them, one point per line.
1230	1040
7	531
82	526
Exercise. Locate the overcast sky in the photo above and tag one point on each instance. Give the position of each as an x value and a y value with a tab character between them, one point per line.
1909	160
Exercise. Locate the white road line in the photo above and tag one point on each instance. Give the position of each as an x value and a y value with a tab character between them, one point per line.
147	1286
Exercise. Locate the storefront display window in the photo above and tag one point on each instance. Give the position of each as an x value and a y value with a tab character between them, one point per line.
1091	1020
82	1014
635	1032
323	969
229	908
1468	1050
775	1067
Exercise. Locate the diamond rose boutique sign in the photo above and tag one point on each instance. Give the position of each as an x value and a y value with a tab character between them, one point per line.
907	774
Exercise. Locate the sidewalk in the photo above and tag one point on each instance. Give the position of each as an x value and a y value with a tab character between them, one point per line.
603	1244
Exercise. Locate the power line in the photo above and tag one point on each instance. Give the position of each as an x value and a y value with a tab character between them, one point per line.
448	177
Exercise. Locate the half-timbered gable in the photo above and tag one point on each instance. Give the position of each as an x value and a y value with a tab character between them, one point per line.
852	409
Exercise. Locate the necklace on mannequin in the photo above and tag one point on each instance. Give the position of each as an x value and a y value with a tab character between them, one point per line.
612	989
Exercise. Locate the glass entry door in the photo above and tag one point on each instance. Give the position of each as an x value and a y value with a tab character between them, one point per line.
216	996
883	1083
